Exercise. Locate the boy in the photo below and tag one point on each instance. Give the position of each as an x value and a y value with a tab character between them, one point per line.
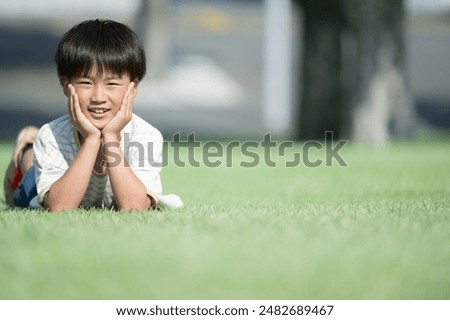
100	154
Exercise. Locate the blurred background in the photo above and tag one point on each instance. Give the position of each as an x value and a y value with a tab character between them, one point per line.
236	69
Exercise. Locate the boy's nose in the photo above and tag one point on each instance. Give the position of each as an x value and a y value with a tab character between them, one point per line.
99	94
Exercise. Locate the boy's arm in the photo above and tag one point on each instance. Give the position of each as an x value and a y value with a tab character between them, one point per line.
129	192
68	191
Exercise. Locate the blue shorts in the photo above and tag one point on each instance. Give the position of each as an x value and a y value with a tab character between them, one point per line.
26	190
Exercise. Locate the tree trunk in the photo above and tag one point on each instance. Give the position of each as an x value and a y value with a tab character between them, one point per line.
320	107
354	76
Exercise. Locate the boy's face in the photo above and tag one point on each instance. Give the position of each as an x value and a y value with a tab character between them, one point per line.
100	95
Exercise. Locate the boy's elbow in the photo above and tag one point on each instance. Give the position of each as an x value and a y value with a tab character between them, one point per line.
54	209
58	206
53	202
135	206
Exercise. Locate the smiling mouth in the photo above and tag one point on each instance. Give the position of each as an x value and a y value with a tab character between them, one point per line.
98	110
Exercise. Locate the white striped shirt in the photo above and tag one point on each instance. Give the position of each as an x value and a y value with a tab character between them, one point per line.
57	144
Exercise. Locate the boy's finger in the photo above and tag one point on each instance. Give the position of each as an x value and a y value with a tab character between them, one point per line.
71	89
76	102
126	99
130	97
71	111
71	92
75	109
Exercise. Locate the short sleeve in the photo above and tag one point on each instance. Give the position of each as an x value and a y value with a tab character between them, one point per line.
49	162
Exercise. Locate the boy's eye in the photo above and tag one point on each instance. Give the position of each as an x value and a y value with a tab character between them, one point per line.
113	84
84	83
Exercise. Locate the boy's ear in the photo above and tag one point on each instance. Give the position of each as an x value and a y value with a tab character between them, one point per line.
64	83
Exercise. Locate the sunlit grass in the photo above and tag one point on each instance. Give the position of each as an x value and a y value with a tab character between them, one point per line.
377	229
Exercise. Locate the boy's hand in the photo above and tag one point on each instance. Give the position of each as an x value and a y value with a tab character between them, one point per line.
123	116
79	120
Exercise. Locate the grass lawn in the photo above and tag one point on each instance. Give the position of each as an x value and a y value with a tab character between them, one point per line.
377	229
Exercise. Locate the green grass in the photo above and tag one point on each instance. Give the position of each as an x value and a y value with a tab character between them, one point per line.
377	229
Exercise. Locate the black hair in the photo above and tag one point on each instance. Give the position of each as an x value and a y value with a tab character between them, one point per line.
109	45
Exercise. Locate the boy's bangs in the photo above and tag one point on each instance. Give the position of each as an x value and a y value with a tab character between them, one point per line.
101	65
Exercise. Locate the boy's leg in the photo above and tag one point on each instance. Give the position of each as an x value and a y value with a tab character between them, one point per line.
21	161
8	183
26	161
25	137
